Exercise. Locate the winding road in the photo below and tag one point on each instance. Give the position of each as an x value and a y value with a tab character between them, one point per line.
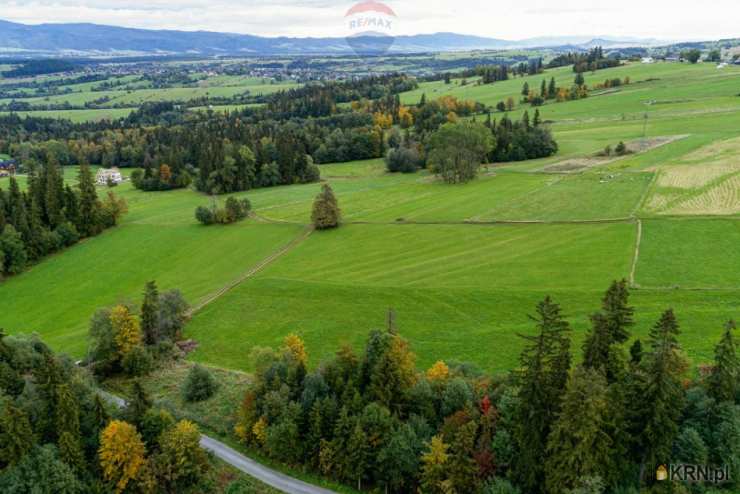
266	475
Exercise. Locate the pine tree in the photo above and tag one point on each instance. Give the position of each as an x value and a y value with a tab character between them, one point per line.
525	89
579	444
150	314
326	213
723	382
71	206
619	315
543	89
580	80
552	90
544	372
462	466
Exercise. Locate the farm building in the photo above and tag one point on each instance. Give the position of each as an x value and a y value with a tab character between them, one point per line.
108	175
648	60
7	167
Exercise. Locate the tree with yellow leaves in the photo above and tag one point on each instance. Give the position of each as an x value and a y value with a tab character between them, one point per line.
126	330
296	349
383	120
434	467
260	430
121	454
439	372
181	462
405	117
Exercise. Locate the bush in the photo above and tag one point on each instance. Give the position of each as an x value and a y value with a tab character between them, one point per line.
204	215
138	362
621	149
199	385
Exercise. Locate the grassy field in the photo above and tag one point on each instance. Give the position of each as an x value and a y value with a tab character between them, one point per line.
462	266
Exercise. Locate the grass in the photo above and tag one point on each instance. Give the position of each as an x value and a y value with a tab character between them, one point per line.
462	291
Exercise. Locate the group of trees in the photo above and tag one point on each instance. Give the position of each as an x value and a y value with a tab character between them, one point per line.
57	435
551	426
234	210
50	215
123	341
592	60
520	140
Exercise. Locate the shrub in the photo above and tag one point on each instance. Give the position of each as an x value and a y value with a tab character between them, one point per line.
500	486
204	215
621	149
199	385
237	209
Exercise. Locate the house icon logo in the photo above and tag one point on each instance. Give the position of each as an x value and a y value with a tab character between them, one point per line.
662	473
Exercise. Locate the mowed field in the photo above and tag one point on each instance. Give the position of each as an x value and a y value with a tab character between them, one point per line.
461	266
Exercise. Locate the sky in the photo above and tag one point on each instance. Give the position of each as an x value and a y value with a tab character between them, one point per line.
506	19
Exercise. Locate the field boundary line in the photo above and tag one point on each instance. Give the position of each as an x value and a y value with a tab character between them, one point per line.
636	256
495	222
253	271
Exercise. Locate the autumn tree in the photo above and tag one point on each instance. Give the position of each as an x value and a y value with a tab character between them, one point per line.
181	462
16	435
122	454
126	330
435	465
326	213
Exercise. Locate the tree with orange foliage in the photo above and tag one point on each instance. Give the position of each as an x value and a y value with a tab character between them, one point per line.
438	372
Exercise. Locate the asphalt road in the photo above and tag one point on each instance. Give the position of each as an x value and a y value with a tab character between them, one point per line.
266	475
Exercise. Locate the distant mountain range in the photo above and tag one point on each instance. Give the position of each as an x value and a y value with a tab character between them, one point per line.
21	40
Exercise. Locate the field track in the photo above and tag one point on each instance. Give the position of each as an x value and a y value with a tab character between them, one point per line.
254	270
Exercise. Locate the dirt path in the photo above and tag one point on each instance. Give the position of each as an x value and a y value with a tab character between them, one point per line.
253	271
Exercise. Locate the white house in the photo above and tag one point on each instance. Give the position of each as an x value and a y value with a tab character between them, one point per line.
648	60
722	65
108	175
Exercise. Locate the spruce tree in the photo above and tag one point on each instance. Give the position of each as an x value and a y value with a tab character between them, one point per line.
544	372
723	381
53	194
543	89
139	404
326	213
150	314
661	398
89	206
525	89
579	444
552	90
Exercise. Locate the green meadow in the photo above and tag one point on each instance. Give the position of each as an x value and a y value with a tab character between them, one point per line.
461	266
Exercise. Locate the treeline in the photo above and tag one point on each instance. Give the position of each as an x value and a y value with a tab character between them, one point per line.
584	62
57	434
50	215
552	426
41	67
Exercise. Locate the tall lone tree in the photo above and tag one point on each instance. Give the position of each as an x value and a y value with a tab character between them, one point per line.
150	314
326	213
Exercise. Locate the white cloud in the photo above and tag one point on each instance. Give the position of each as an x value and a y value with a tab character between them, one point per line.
509	19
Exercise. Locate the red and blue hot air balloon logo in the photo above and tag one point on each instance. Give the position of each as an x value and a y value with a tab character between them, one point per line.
370	26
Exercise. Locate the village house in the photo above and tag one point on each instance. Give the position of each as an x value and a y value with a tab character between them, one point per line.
108	175
7	167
